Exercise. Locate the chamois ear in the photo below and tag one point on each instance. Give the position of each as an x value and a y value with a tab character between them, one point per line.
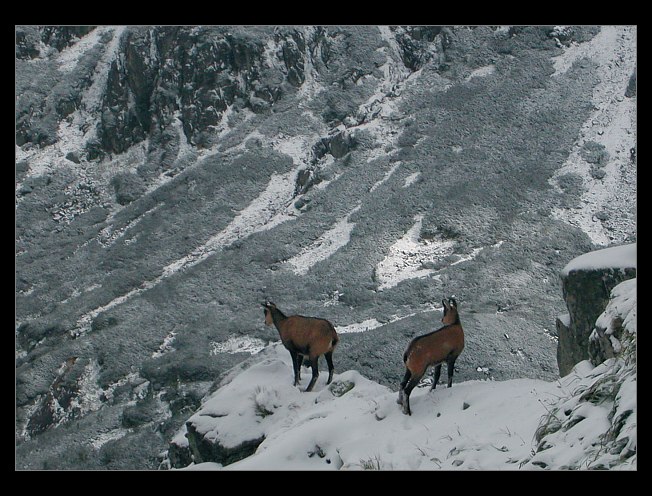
445	303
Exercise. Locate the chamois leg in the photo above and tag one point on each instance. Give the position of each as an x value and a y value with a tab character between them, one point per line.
436	378
404	382
406	397
296	365
329	361
315	373
451	370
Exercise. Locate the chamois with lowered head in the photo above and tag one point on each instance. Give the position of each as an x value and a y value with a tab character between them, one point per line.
443	345
304	337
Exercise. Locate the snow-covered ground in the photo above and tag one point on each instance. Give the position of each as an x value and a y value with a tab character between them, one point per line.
481	72
623	306
70	55
474	425
355	423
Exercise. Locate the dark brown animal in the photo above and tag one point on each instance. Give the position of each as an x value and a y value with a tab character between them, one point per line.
443	345
304	337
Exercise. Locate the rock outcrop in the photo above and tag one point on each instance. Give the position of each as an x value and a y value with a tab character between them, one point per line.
600	400
586	284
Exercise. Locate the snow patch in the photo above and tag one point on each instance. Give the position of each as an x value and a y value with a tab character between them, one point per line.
98	441
411	179
365	325
481	72
265	212
109	235
70	55
325	246
83	324
272	207
140	390
406	257
92	99
616	257
470	256
387	175
238	344
89	392
621	307
299	148
72	134
370	324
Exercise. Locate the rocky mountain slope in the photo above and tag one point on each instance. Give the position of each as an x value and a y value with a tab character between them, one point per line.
169	179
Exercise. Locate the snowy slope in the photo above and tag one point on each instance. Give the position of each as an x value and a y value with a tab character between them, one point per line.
364	427
355	423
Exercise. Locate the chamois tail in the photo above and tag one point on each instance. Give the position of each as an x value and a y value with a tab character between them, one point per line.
336	338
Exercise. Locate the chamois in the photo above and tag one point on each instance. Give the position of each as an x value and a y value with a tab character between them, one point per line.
443	345
304	337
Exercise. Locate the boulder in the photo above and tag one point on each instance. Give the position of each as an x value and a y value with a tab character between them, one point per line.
205	450
128	187
73	157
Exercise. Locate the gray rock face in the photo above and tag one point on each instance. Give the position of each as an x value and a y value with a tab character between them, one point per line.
195	74
586	293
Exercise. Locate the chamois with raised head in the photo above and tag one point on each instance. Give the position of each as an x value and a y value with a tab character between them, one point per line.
304	337
443	345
